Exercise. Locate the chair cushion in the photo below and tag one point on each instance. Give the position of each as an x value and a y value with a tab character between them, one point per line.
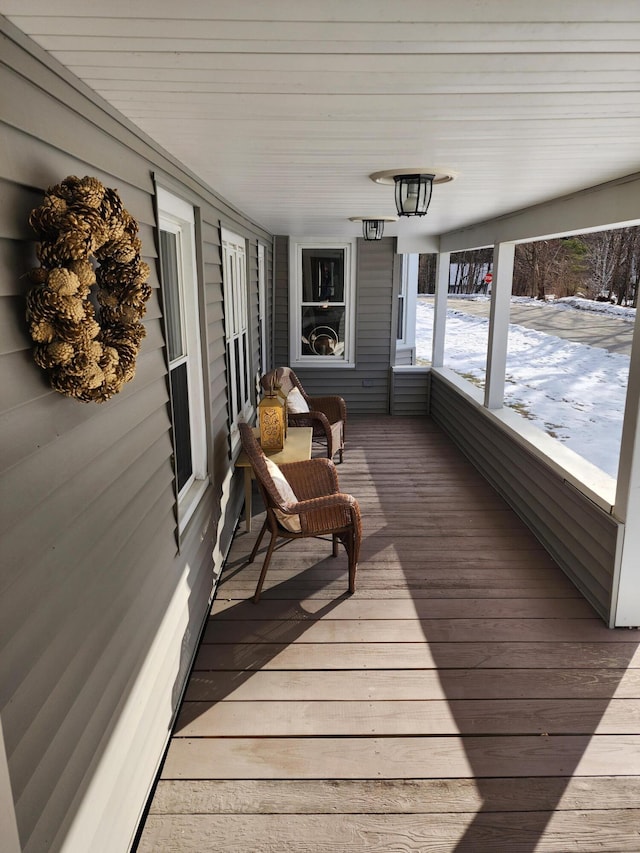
287	496
296	403
336	434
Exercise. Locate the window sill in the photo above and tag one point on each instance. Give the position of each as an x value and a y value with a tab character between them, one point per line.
411	368
323	362
189	502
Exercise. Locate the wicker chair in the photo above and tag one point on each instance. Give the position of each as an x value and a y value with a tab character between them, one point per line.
314	506
327	415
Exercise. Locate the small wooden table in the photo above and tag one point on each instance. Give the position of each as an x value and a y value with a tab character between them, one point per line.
297	448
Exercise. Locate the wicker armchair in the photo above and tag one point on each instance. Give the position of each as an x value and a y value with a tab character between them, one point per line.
327	415
303	499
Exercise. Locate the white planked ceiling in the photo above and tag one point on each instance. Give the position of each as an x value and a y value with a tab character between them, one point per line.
285	107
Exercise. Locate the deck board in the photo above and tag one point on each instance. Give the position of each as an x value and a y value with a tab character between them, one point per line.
441	656
436	757
511	832
420	684
393	796
397	609
466	698
463	630
287	718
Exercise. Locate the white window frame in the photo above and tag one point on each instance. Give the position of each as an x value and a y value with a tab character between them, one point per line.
236	327
407	298
177	216
295	304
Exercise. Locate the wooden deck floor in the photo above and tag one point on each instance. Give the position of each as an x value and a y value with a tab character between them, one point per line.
465	699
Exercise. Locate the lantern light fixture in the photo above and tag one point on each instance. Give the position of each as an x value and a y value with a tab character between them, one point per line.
413	194
413	187
373	226
272	420
372	229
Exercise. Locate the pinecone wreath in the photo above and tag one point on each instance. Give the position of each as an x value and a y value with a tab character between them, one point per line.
88	357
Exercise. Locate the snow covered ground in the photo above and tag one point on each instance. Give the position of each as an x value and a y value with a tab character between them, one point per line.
571	391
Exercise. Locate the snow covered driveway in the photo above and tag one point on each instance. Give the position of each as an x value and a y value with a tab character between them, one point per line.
573	391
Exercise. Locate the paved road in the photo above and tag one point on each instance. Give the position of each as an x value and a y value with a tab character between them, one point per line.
584	327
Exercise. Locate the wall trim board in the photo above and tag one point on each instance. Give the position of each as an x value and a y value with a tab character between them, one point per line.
608	205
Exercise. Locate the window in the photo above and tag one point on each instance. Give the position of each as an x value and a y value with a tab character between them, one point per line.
406	331
322	304
182	324
236	331
401	330
406	319
262	308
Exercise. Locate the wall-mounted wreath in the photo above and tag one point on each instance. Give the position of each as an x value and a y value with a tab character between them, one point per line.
86	236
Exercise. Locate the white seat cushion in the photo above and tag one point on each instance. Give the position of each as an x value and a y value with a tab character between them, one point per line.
296	403
287	496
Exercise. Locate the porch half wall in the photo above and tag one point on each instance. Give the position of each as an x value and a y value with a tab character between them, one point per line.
100	608
579	535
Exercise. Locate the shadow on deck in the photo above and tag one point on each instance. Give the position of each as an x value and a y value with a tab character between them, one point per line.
465	699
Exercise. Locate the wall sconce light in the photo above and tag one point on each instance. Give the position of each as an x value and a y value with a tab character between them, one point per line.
413	187
373	226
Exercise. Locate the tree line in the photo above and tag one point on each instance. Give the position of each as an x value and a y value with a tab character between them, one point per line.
603	265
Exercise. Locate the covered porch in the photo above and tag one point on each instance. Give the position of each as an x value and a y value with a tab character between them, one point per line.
466	698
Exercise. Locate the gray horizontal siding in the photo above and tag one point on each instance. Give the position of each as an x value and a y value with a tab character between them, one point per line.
405	356
47	417
281	303
579	535
92	581
410	391
269	304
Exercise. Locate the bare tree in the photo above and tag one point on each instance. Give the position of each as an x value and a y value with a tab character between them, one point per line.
537	266
603	251
624	281
633	277
603	264
614	263
470	268
427	273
